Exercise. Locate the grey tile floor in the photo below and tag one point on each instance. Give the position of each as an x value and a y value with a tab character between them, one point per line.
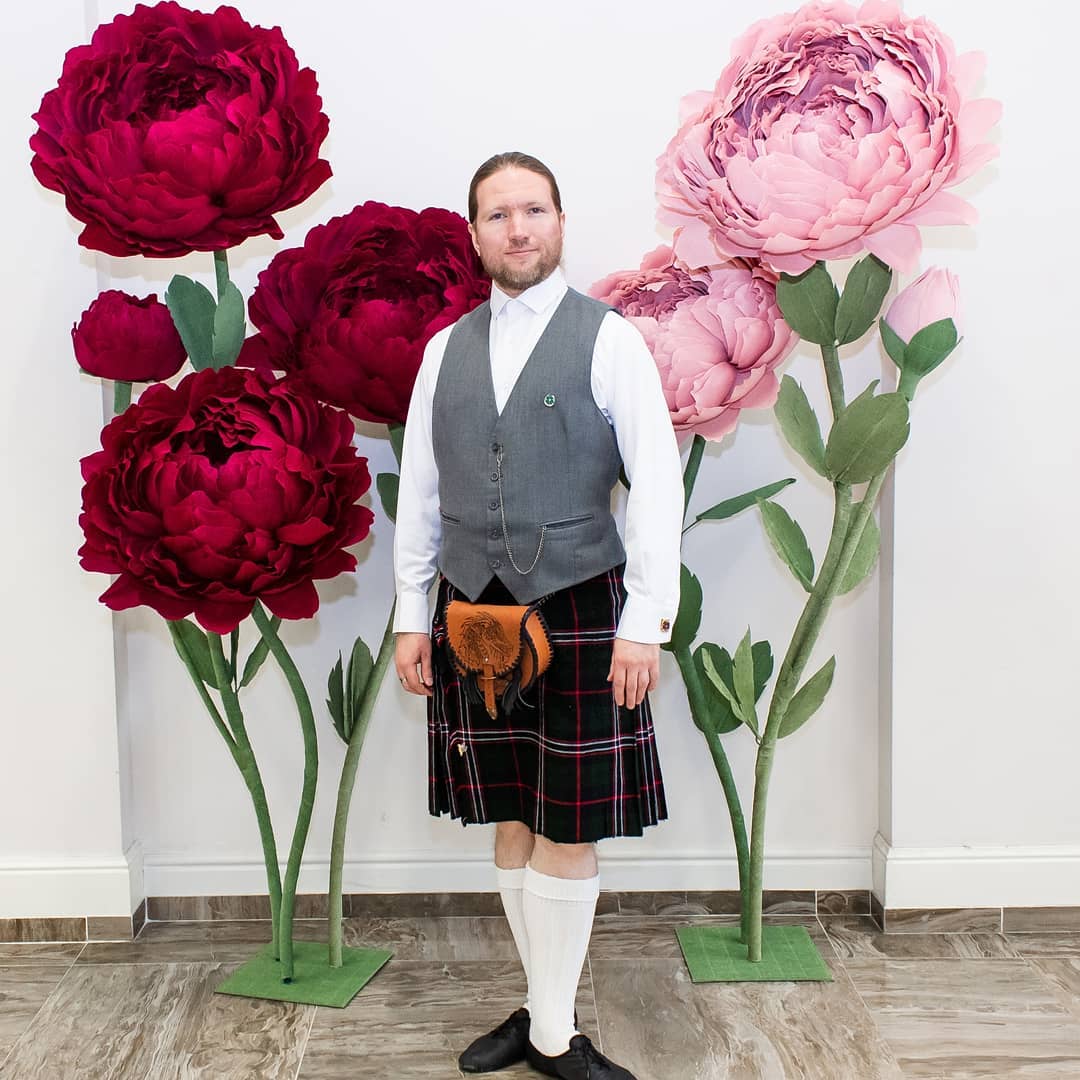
942	1005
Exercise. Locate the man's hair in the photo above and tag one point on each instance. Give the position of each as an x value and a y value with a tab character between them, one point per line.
511	159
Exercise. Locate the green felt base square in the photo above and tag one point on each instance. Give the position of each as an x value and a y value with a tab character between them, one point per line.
314	981
715	954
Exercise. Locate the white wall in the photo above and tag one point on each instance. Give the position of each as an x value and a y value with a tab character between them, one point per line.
62	842
593	90
984	735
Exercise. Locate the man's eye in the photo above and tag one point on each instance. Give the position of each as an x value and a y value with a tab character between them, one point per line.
495	216
536	209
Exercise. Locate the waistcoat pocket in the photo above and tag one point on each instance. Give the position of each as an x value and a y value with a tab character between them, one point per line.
566	523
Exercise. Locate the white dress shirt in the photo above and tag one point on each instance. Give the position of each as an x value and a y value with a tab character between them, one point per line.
626	388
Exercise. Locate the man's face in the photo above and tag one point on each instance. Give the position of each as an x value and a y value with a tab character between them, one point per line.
518	232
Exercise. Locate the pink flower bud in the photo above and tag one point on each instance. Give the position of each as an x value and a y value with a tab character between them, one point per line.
931	297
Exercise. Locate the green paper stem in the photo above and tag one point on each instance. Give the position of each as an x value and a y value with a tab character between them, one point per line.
221	271
244	757
696	696
834	377
121	396
307	795
693	463
347	782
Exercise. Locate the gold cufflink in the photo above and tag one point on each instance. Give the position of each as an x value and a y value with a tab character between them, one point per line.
665	625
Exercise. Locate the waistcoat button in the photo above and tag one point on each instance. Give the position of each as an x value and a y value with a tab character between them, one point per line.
494	504
495	564
494	476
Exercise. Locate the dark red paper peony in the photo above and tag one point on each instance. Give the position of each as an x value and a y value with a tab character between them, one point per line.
228	488
121	336
348	314
176	131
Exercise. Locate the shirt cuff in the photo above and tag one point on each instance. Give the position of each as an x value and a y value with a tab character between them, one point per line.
411	614
645	621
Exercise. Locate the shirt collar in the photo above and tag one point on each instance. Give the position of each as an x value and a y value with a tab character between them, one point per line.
537	299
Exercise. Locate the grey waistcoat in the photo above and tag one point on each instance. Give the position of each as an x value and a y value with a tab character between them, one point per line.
559	460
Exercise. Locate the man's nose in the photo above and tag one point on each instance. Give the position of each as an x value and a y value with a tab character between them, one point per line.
519	225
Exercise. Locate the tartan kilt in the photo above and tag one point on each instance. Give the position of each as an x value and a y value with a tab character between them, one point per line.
569	762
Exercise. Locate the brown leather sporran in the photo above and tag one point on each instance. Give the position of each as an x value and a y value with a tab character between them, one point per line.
499	650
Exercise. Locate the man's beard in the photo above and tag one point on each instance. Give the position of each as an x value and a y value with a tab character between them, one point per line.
506	277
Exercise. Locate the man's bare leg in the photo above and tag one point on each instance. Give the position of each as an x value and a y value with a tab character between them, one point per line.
513	844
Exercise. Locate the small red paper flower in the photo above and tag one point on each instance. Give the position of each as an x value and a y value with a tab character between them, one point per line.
176	131
348	314
227	489
122	337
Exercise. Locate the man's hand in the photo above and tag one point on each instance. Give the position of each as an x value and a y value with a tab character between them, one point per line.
412	658
635	668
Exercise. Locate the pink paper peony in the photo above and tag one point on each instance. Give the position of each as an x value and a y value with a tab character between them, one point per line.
716	335
831	131
121	336
931	297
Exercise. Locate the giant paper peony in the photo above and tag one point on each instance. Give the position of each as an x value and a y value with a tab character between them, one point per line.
176	131
349	313
830	131
716	335
227	489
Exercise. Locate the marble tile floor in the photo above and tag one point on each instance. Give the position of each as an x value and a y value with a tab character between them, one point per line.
943	1005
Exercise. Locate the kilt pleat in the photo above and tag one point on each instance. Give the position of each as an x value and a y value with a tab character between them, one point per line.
568	762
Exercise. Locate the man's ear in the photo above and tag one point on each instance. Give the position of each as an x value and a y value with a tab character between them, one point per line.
472	237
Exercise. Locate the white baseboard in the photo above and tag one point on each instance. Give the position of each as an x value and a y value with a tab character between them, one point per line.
181	875
1006	876
71	887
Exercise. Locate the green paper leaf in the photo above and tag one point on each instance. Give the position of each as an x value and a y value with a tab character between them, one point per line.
361	665
808	699
387	485
808	303
867	435
867	393
799	423
258	654
866	553
229	327
743	678
731	507
198	648
894	344
722	718
763	667
335	702
234	645
789	542
929	347
192	307
397	439
717	667
867	283
689	617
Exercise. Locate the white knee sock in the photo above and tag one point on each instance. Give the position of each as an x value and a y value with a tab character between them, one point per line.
510	884
558	916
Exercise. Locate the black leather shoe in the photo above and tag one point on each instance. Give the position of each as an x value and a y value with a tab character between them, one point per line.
581	1062
498	1049
501	1048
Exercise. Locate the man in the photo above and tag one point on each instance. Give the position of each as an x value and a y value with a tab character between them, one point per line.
522	414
